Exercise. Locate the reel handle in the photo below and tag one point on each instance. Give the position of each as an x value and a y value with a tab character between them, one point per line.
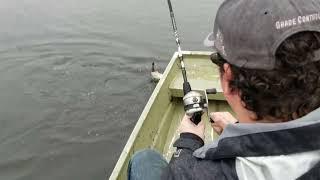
211	91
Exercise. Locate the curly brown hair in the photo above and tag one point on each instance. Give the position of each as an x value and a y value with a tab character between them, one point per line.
289	91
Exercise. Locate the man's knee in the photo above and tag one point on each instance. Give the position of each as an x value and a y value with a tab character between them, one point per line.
146	156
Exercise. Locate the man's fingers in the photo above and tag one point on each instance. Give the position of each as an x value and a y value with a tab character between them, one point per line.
188	120
216	128
187	125
221	120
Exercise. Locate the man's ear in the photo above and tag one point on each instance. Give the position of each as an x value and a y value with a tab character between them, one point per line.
225	79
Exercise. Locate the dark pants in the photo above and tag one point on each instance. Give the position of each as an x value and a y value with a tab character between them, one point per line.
146	165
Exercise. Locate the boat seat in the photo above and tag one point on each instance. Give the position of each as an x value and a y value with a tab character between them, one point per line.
201	76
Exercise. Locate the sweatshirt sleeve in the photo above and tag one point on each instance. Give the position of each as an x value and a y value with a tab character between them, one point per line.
182	162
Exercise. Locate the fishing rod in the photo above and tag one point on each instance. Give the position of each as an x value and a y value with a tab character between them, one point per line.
194	105
186	84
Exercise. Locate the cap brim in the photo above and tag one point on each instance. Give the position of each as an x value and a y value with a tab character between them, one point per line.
209	41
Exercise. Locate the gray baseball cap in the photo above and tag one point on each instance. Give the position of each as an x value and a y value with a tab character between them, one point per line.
247	33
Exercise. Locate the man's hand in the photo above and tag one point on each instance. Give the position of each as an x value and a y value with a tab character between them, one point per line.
187	126
221	120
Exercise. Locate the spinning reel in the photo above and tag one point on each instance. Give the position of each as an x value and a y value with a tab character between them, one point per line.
195	105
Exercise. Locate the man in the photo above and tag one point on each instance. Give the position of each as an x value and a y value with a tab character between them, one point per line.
268	55
268	52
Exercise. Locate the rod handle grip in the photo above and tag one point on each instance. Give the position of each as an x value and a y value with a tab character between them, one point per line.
196	118
186	88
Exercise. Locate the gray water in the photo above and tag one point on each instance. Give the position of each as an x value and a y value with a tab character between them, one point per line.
74	78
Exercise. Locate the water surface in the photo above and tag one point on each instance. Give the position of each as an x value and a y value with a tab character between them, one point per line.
74	78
